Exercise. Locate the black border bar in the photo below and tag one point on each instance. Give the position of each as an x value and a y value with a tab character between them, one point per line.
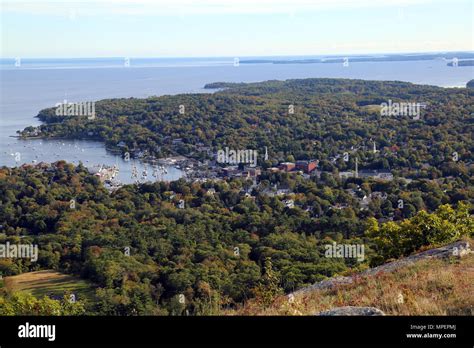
247	331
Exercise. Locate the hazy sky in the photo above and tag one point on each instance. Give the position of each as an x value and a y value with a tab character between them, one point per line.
236	28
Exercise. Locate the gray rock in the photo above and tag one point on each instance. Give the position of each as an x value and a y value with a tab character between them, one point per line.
351	311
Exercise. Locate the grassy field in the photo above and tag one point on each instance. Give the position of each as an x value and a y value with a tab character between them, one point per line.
429	287
374	108
50	283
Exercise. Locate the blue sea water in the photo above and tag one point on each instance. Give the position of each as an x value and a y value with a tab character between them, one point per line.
33	84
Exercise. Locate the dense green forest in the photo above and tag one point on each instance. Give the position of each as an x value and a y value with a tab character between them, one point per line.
147	256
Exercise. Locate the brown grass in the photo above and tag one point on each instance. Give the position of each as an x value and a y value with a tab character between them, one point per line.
49	282
429	287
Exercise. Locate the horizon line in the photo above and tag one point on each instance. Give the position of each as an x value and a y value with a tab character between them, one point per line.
248	56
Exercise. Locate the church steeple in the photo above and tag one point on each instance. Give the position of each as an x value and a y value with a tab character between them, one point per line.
357	168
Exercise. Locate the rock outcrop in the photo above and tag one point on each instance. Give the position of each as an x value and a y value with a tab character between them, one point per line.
351	311
457	249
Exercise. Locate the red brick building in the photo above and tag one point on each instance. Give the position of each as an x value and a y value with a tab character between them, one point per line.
287	166
306	166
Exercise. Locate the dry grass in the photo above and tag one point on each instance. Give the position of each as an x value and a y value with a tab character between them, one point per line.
373	108
429	287
49	283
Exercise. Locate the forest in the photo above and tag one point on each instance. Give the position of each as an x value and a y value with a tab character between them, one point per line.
233	241
294	119
146	256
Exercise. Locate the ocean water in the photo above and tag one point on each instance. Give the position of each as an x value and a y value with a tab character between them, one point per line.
31	85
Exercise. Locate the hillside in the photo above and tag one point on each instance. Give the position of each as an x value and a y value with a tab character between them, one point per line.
433	282
148	256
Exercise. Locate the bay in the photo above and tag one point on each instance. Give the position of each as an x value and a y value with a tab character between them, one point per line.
38	84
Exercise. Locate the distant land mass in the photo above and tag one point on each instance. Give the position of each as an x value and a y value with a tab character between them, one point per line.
469	62
375	58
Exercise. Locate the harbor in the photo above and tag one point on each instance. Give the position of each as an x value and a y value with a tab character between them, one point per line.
111	168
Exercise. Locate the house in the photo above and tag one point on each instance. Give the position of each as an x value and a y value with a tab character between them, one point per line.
379	195
365	201
394	148
201	148
251	172
230	171
345	175
306	166
268	192
287	166
32	133
352	192
281	192
376	174
339	206
289	203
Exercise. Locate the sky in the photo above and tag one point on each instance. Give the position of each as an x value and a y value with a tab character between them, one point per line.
232	28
